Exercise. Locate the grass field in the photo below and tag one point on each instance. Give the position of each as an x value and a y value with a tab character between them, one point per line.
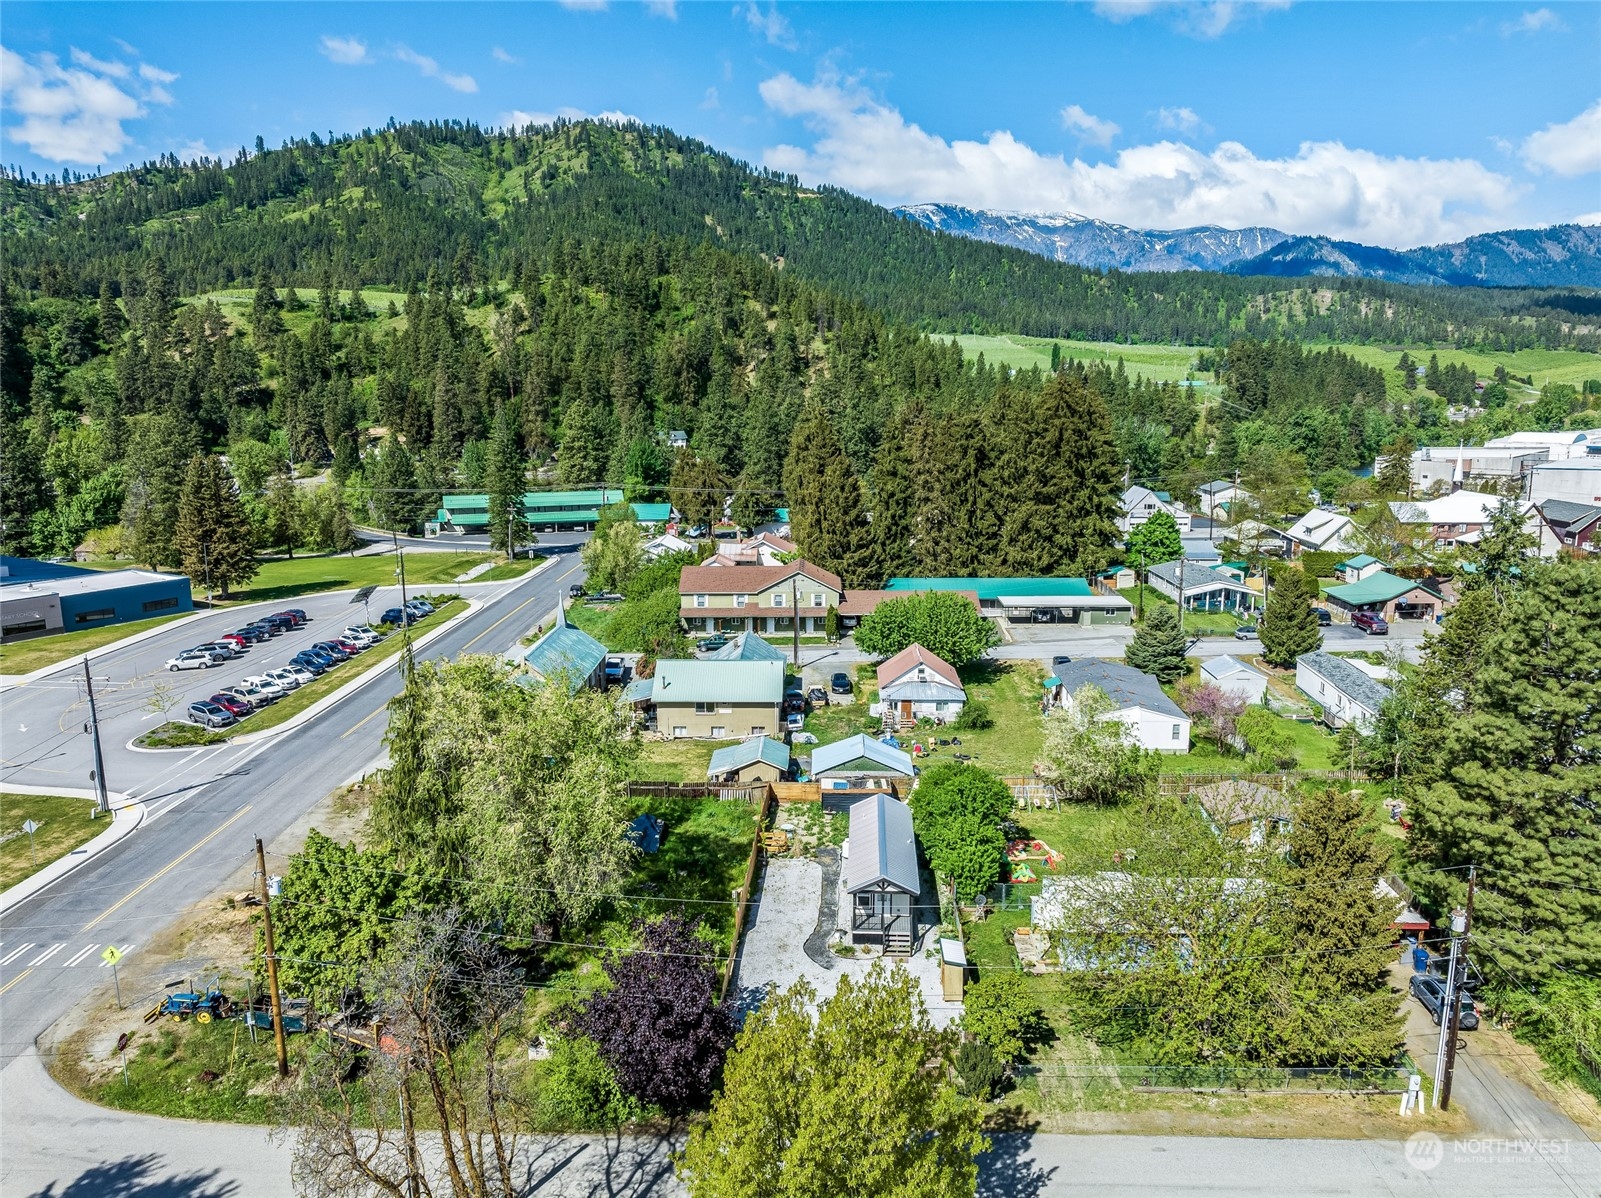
180	735
1544	365
1209	623
28	656
676	760
282	578
64	824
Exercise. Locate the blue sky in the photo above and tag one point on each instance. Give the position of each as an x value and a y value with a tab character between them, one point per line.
1392	123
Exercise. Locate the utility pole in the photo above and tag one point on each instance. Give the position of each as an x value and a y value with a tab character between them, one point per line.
94	731
794	617
405	614
274	998
1142	585
205	557
1453	1013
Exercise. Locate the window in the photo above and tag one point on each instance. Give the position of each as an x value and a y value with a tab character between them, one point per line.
1175	731
1321	689
718	732
758	730
89	617
705	709
725	708
34	625
160	604
817	598
700	600
680	730
739	600
780	599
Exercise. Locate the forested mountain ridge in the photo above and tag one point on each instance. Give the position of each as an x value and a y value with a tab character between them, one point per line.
393	205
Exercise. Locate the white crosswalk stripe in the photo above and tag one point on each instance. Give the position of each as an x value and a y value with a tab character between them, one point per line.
79	957
124	949
46	955
17	952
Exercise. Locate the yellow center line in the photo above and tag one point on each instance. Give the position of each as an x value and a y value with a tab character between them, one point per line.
380	711
174	863
15	980
513	612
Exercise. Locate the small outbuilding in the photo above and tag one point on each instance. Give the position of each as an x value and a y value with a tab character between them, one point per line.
846	769
747	646
570	653
881	876
1233	677
755	759
1245	811
1355	569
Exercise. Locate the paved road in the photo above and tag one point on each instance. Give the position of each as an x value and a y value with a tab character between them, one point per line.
69	1149
1041	642
205	807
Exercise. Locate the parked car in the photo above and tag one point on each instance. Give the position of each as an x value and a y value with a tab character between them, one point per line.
421	606
279	624
237	708
234	639
840	683
1430	991
271	687
794	721
195	659
226	648
209	715
614	669
309	659
298	614
794	703
576	591
817	695
1324	618
301	673
397	615
253	695
359	635
250	634
266	629
707	644
1247	632
1371	623
295	618
284	677
333	650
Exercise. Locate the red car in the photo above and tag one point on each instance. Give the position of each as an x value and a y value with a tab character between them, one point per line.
233	638
234	707
1371	623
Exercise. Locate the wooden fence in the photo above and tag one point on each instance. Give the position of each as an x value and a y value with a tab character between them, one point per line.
752	793
1031	792
743	895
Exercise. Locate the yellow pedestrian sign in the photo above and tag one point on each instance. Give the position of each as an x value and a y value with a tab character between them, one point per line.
112	954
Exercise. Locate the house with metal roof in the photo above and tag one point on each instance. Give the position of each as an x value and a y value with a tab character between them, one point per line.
1233	677
1355	569
1201	588
717	700
1218	495
917	684
1345	693
1564	525
569	653
1387	595
1154	721
1067	600
747	646
1320	530
755	759
1141	503
847	769
880	874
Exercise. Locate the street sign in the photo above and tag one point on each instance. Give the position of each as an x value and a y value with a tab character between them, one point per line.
112	955
29	827
122	1041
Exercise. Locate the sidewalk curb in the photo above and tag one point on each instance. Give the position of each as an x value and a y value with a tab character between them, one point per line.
125	821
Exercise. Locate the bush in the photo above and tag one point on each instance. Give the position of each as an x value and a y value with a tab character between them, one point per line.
945	624
1320	563
999	1010
974	717
1265	735
579	1092
977	1070
958	810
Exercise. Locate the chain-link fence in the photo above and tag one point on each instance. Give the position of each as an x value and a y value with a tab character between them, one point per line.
1050	1078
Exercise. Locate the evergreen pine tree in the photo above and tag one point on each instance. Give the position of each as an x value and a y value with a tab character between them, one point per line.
293	302
894	506
1027	472
1289	625
394	487
1522	770
285	511
112	322
265	321
1091	478
826	519
1340	924
154	470
506	481
1158	645
212	535
1395	476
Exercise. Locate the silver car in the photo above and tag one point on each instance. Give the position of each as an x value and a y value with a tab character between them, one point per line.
195	659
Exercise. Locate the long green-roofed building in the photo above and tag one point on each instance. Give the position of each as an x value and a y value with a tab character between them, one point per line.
545	509
1055	600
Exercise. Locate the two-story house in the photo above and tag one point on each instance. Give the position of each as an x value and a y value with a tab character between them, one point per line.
1141	503
731	597
718	700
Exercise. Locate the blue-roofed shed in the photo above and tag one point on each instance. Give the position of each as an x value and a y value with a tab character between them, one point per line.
570	653
755	759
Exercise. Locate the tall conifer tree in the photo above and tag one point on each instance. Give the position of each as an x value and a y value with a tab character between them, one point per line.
826	519
213	536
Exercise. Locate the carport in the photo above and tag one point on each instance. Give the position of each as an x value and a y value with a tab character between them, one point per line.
1067	609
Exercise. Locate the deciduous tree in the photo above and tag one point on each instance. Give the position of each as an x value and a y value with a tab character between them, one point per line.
946	624
1087	756
1154	541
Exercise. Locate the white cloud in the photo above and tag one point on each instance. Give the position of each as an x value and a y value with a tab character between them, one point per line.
76	113
1090	128
518	118
1204	19
1589	218
773	25
710	100
500	55
346	51
1572	148
583	5
190	150
1537	21
1181	120
868	146
429	69
667	9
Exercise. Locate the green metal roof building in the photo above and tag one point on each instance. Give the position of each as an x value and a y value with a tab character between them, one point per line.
1068	600
569	652
990	590
546	509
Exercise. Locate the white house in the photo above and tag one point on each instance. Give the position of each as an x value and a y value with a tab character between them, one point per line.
1201	588
915	685
1218	496
1154	721
1233	677
677	439
1318	530
660	546
1345	693
1577	480
1457	518
1141	503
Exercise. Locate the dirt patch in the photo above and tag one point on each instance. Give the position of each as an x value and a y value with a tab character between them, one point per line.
1521	1063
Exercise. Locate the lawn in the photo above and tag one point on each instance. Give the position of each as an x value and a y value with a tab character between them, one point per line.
25	657
592	618
282	578
64	824
676	760
504	571
701	862
1162	363
182	735
1208	623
